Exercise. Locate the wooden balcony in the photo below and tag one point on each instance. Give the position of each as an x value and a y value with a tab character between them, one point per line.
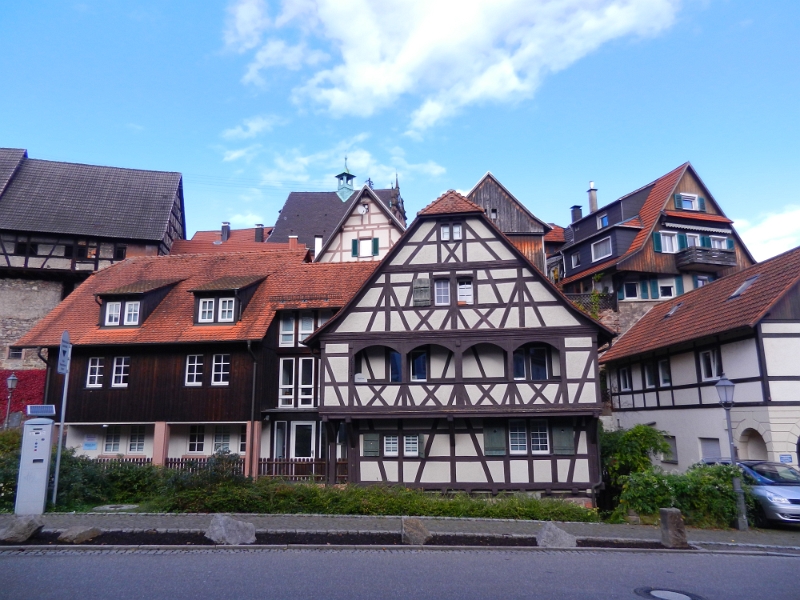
698	258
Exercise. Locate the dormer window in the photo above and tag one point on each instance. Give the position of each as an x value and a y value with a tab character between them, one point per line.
121	312
112	312
132	313
226	310
206	310
602	221
225	299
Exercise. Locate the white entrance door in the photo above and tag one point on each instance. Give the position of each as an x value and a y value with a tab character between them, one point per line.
302	443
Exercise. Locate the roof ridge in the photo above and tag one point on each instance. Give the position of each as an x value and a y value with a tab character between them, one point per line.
78	164
456	199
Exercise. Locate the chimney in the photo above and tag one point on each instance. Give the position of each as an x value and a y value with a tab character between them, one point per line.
293	242
592	197
260	232
577	212
317	245
226	231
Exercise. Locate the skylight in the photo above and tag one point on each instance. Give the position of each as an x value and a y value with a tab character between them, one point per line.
743	288
673	310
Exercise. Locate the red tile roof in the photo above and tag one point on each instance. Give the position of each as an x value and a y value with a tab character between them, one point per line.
448	203
698	216
321	285
649	214
240	240
555	235
710	310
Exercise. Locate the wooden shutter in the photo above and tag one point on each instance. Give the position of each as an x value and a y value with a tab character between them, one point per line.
354	247
654	289
643	289
678	285
694	281
422	291
494	440
563	438
682	243
729	243
656	241
372	444
705	241
375	246
701	204
678	202
621	292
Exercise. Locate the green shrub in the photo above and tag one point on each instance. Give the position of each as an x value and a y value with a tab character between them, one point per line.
10	441
704	494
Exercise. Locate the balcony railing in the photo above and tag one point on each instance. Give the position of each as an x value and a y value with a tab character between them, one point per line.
300	469
593	303
705	259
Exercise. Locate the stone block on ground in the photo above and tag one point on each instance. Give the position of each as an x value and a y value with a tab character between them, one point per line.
414	532
79	534
673	530
550	536
21	529
230	532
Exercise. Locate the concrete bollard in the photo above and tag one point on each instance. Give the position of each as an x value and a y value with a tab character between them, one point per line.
673	531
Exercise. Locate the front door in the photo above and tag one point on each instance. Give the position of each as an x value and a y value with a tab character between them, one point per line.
302	442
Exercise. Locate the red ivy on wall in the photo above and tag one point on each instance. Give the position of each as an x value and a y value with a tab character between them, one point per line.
30	389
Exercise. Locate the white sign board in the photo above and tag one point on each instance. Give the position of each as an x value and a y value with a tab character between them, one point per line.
64	354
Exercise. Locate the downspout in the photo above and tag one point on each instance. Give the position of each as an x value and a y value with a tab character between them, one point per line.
253	461
46	376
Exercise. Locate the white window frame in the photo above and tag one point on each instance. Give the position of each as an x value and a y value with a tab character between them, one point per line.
220	375
365	247
192	377
226	310
600	224
94	374
721	241
596	257
456	231
132	312
302	331
136	439
113	439
669	238
712	354
305	398
121	371
286	334
113	313
540	437
703	280
410	445
465	291
205	307
692	240
243	439
286	390
664	373
625	290
517	431
444	286
284	427
222	438
197	438
391	445
313	438
671	289
693	199
649	375
445	233
575	260
624	379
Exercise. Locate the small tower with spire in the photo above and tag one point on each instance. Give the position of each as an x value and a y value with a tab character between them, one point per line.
345	178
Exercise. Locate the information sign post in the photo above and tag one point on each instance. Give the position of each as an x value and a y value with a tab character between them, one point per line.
64	357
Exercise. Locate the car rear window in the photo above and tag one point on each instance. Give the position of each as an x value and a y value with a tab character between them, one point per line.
777	473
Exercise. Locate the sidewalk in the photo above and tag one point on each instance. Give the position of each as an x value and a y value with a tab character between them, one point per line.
787	537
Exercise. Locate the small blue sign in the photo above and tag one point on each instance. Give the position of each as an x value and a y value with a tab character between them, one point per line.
786	458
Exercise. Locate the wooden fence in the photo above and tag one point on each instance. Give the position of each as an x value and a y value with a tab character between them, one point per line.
195	465
300	469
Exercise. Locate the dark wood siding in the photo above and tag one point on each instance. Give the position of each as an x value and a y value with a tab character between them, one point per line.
511	218
532	247
788	307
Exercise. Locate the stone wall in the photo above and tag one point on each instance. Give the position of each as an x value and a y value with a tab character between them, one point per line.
23	302
630	312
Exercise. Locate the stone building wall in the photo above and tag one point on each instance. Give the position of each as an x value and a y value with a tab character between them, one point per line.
23	302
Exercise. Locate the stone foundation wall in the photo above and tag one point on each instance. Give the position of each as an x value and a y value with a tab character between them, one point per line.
23	302
630	312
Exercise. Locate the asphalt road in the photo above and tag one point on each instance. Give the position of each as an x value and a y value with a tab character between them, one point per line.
347	574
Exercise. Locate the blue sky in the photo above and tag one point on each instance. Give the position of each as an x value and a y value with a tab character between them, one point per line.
253	99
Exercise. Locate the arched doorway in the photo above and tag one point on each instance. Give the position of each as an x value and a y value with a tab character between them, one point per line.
753	446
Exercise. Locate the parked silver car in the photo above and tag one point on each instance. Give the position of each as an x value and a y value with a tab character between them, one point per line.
776	487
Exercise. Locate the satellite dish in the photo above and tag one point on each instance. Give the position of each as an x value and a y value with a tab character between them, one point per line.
363	209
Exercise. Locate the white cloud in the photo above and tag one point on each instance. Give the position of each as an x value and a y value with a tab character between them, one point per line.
245	220
252	127
243	153
773	233
246	22
445	54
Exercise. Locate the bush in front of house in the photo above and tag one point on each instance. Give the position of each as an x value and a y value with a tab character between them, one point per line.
704	494
10	441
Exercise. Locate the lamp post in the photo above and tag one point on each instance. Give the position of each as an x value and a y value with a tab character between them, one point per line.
725	388
11	384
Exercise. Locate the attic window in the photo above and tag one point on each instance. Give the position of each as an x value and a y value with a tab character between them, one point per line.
742	288
673	310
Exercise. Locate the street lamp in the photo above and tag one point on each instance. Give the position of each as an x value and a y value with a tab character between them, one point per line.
11	384
725	388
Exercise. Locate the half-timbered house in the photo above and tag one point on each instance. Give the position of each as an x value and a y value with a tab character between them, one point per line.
458	365
662	372
651	245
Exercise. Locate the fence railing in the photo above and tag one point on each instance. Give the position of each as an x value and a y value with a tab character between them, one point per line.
195	465
300	469
593	303
138	460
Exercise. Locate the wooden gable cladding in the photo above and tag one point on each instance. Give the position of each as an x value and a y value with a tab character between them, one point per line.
510	215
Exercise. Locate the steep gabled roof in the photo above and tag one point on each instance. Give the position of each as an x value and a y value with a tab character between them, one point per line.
451	202
282	275
710	310
661	191
75	199
240	240
519	205
10	160
555	235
